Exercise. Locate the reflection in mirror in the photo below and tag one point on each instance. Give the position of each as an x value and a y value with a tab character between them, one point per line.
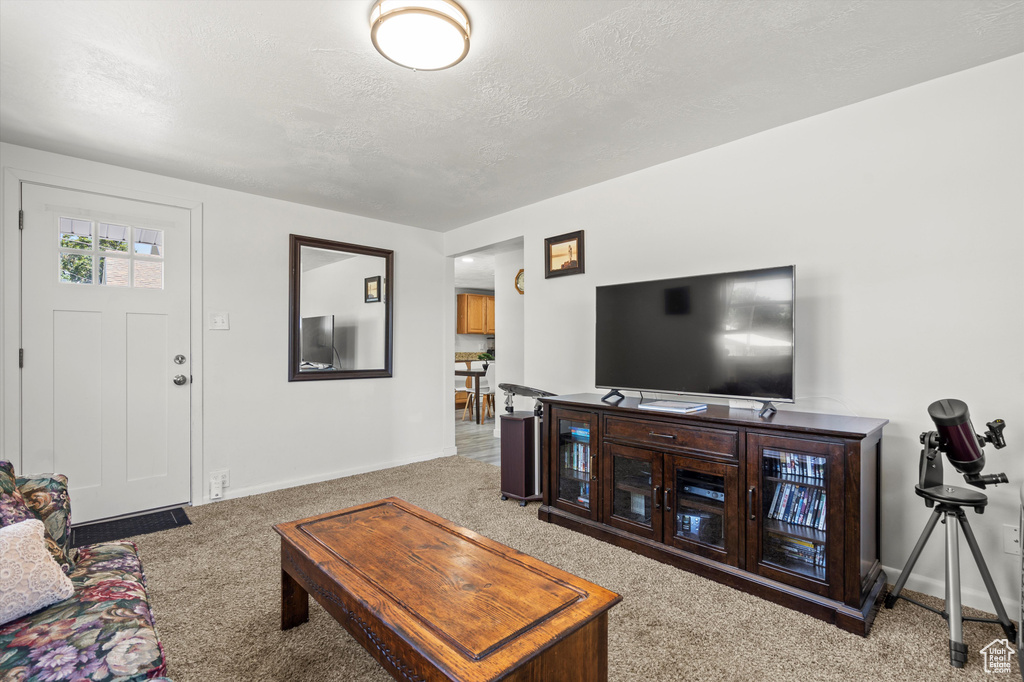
341	310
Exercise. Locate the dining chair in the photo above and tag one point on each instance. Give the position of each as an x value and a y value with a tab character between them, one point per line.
487	391
486	394
463	385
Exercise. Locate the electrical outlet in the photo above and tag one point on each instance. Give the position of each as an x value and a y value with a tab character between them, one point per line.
222	476
218	481
1011	539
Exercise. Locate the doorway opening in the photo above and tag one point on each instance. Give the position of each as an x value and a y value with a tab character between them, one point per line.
488	343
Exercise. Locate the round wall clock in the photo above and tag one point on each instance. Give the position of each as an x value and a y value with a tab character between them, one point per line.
519	281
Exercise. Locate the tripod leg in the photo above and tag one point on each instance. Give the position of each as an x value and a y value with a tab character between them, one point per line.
1004	620
890	599
957	648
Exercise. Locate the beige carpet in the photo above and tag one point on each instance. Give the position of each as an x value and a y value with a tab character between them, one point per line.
215	592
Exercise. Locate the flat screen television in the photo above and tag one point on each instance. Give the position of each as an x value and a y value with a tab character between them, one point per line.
723	335
317	335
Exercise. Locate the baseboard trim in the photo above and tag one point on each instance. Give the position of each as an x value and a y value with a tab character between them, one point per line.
976	599
319	478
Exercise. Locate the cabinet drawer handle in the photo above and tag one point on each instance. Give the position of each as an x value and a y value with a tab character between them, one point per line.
670	436
750	503
668	491
657	505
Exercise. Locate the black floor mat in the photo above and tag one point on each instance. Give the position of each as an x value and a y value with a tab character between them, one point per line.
119	529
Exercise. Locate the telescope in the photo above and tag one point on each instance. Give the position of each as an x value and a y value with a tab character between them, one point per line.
955	437
963	447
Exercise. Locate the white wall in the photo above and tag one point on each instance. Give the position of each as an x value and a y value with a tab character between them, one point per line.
904	215
509	338
271	433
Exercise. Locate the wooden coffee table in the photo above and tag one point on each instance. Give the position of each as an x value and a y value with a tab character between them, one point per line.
432	601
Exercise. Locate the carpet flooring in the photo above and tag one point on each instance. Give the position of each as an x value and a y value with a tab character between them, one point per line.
215	587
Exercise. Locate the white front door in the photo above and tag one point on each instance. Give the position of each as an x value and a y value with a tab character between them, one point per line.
105	331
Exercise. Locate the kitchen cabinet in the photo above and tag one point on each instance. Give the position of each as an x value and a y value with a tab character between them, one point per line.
474	314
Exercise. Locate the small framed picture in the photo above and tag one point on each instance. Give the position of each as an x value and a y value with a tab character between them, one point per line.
371	287
563	255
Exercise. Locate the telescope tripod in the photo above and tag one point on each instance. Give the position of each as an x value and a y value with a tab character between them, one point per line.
949	503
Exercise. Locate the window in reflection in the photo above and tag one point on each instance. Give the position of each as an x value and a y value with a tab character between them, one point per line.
759	318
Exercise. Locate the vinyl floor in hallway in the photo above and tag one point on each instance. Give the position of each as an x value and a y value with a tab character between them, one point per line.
477	441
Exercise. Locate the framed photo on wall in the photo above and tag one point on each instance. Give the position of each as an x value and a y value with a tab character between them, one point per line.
371	286
563	255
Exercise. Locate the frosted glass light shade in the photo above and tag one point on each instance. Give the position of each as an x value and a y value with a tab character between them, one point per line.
425	35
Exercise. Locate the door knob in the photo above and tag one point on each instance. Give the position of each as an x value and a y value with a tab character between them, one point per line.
179	359
180	379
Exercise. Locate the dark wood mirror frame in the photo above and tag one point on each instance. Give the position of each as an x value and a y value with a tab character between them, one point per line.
296	242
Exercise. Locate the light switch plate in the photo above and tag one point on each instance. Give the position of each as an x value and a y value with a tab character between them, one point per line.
220	321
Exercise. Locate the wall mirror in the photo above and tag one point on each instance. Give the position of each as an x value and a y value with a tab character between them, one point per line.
340	310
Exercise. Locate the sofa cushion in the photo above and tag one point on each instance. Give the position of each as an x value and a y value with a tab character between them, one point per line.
12	505
47	499
30	579
104	633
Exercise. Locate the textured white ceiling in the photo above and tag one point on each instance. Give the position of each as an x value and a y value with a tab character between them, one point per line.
479	272
289	99
476	274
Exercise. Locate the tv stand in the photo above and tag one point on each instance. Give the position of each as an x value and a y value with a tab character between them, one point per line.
767	410
613	396
785	508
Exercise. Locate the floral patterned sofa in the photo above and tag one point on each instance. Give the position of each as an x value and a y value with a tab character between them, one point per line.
105	631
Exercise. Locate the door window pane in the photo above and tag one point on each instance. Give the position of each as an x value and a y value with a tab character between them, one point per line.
115	272
113	237
84	247
149	274
75	234
149	242
75	268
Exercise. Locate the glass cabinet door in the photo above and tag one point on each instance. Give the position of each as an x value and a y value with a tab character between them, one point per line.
575	461
702	513
793	509
633	480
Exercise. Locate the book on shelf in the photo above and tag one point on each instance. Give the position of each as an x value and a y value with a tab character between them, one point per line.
775	502
576	456
799	505
673	406
580	433
788	464
798	550
584	496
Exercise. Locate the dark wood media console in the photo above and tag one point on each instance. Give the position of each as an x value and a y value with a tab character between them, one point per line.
785	508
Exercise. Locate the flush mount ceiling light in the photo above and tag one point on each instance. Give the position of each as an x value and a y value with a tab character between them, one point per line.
424	35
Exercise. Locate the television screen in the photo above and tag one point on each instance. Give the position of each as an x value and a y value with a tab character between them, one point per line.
317	335
728	334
